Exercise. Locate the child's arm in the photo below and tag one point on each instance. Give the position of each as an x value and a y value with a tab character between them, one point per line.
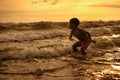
93	41
70	37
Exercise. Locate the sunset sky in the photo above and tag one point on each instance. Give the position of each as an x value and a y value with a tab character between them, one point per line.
58	10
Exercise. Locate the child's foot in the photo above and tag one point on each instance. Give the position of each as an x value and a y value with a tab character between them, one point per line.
85	57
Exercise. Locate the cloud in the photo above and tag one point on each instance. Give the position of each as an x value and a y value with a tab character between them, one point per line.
34	2
106	5
55	1
45	1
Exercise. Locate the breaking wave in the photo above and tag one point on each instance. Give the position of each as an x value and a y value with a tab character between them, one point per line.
20	36
52	43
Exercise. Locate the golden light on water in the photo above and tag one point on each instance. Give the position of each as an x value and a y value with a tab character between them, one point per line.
115	36
58	10
116	67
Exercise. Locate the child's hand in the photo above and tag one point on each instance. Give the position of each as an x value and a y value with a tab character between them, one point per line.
93	41
71	39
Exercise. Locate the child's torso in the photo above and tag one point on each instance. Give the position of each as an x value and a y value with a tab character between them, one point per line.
80	34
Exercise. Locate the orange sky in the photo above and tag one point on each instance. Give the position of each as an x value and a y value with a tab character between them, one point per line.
58	10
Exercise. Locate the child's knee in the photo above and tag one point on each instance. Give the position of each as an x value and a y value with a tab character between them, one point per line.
74	46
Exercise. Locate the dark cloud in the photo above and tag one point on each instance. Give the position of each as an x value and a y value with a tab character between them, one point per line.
106	5
55	1
45	1
35	2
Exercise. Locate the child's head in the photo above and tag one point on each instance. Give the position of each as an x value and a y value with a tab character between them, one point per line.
73	23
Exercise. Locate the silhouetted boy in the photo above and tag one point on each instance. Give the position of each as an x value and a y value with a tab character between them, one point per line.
83	36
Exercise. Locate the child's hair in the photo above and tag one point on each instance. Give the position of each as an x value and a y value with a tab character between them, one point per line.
75	21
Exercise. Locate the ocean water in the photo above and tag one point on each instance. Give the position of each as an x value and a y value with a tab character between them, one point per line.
47	55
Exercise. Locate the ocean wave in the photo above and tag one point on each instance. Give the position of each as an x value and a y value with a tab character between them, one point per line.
102	31
51	43
53	48
20	36
33	52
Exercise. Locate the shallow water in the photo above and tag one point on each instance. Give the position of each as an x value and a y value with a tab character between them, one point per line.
47	55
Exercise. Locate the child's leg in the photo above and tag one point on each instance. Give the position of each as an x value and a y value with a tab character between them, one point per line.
75	45
84	46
